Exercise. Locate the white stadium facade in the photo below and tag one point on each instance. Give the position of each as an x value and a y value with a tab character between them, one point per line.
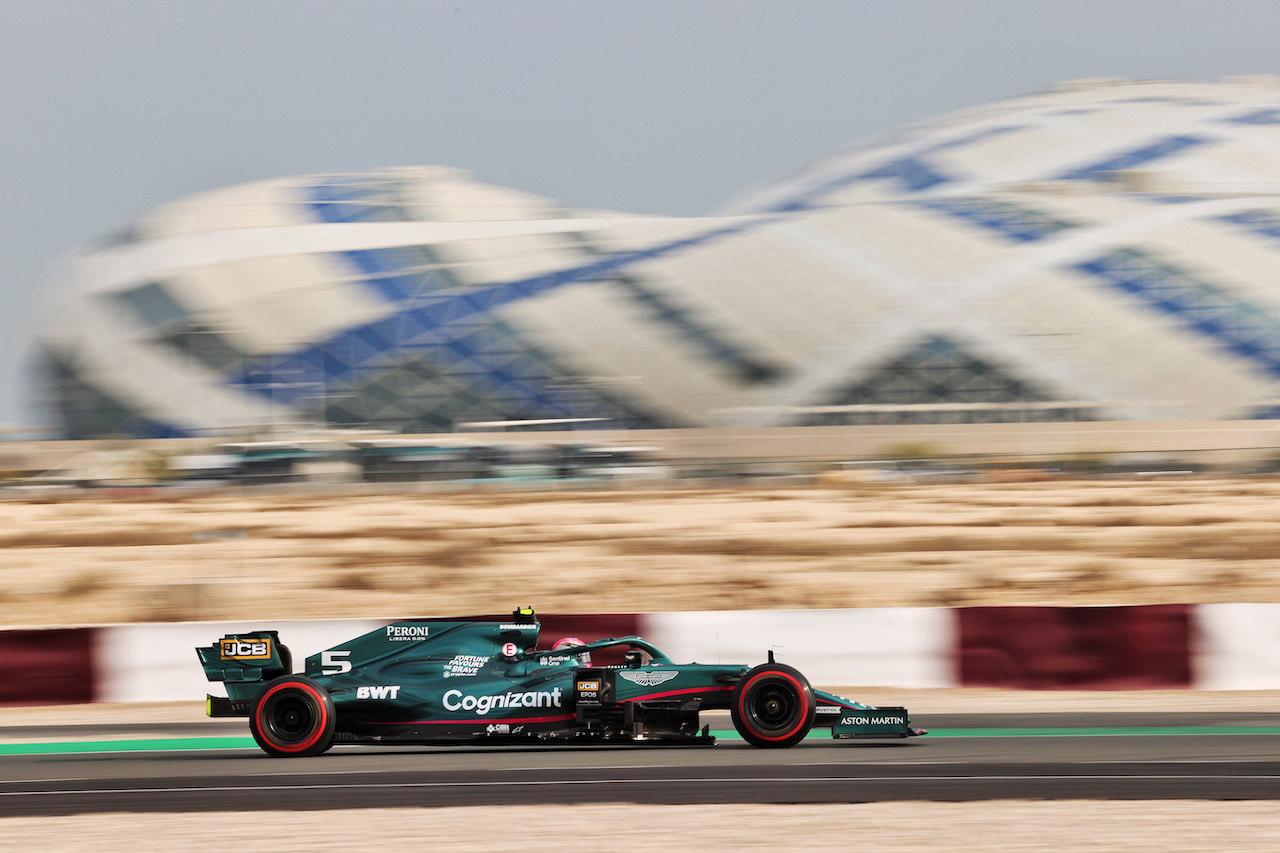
1105	250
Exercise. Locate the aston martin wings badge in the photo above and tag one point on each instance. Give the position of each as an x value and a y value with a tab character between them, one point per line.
648	679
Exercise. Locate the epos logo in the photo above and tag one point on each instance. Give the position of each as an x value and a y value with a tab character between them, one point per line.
245	649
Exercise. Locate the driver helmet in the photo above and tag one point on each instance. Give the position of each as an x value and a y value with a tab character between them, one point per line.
564	643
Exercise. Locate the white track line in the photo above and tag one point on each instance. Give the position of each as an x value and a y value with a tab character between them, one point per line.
708	780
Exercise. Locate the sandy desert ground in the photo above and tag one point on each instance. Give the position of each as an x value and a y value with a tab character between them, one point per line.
119	558
1116	827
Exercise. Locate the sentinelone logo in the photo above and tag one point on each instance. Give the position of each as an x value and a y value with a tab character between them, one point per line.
456	700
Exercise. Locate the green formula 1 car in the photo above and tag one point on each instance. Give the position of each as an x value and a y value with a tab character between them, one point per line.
452	682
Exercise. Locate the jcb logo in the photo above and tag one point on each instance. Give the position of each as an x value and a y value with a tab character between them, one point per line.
246	649
380	692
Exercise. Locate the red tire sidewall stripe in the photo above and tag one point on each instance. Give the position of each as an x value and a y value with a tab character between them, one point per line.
315	737
804	698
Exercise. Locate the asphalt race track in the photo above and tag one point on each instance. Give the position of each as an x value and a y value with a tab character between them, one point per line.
68	770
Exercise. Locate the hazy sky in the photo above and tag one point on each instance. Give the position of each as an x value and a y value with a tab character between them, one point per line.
112	107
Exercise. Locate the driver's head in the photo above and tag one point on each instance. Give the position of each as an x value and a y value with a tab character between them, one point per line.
565	643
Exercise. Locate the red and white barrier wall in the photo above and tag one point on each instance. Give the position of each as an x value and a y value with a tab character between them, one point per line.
1236	646
1206	646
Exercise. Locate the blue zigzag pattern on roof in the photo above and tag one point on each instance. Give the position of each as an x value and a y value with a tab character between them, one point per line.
345	198
1167	198
1148	153
1170	99
1268	116
1010	221
1236	326
1264	223
479	352
453	329
914	173
148	428
394	273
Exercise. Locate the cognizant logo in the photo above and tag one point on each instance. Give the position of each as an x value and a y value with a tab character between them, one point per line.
456	700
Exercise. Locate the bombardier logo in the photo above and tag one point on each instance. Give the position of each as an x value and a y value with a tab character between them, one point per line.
648	679
390	691
456	700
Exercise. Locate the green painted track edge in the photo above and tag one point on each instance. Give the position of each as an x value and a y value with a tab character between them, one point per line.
215	743
1080	731
1108	732
152	745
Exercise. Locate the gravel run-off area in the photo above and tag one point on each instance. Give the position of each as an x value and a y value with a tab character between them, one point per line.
282	555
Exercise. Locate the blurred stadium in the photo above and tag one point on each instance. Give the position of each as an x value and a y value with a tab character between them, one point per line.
1101	251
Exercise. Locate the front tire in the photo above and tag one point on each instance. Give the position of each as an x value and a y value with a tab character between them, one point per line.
773	706
293	716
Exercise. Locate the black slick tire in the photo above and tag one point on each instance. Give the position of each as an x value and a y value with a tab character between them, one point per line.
292	716
773	706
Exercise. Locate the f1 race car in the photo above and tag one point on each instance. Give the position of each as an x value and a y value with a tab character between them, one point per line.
454	682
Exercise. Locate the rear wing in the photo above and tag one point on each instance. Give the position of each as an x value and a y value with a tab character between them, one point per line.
245	661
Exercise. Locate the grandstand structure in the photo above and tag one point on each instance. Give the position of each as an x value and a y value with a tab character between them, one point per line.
1105	250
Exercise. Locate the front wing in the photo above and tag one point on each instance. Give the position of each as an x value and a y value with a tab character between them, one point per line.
849	719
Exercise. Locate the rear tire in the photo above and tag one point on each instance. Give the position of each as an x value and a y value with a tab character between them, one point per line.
773	706
292	716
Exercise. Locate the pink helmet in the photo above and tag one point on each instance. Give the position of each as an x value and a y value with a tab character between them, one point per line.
564	643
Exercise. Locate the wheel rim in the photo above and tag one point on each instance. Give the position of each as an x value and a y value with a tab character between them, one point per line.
772	708
289	719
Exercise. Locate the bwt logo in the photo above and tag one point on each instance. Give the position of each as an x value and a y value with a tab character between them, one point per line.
391	691
245	649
